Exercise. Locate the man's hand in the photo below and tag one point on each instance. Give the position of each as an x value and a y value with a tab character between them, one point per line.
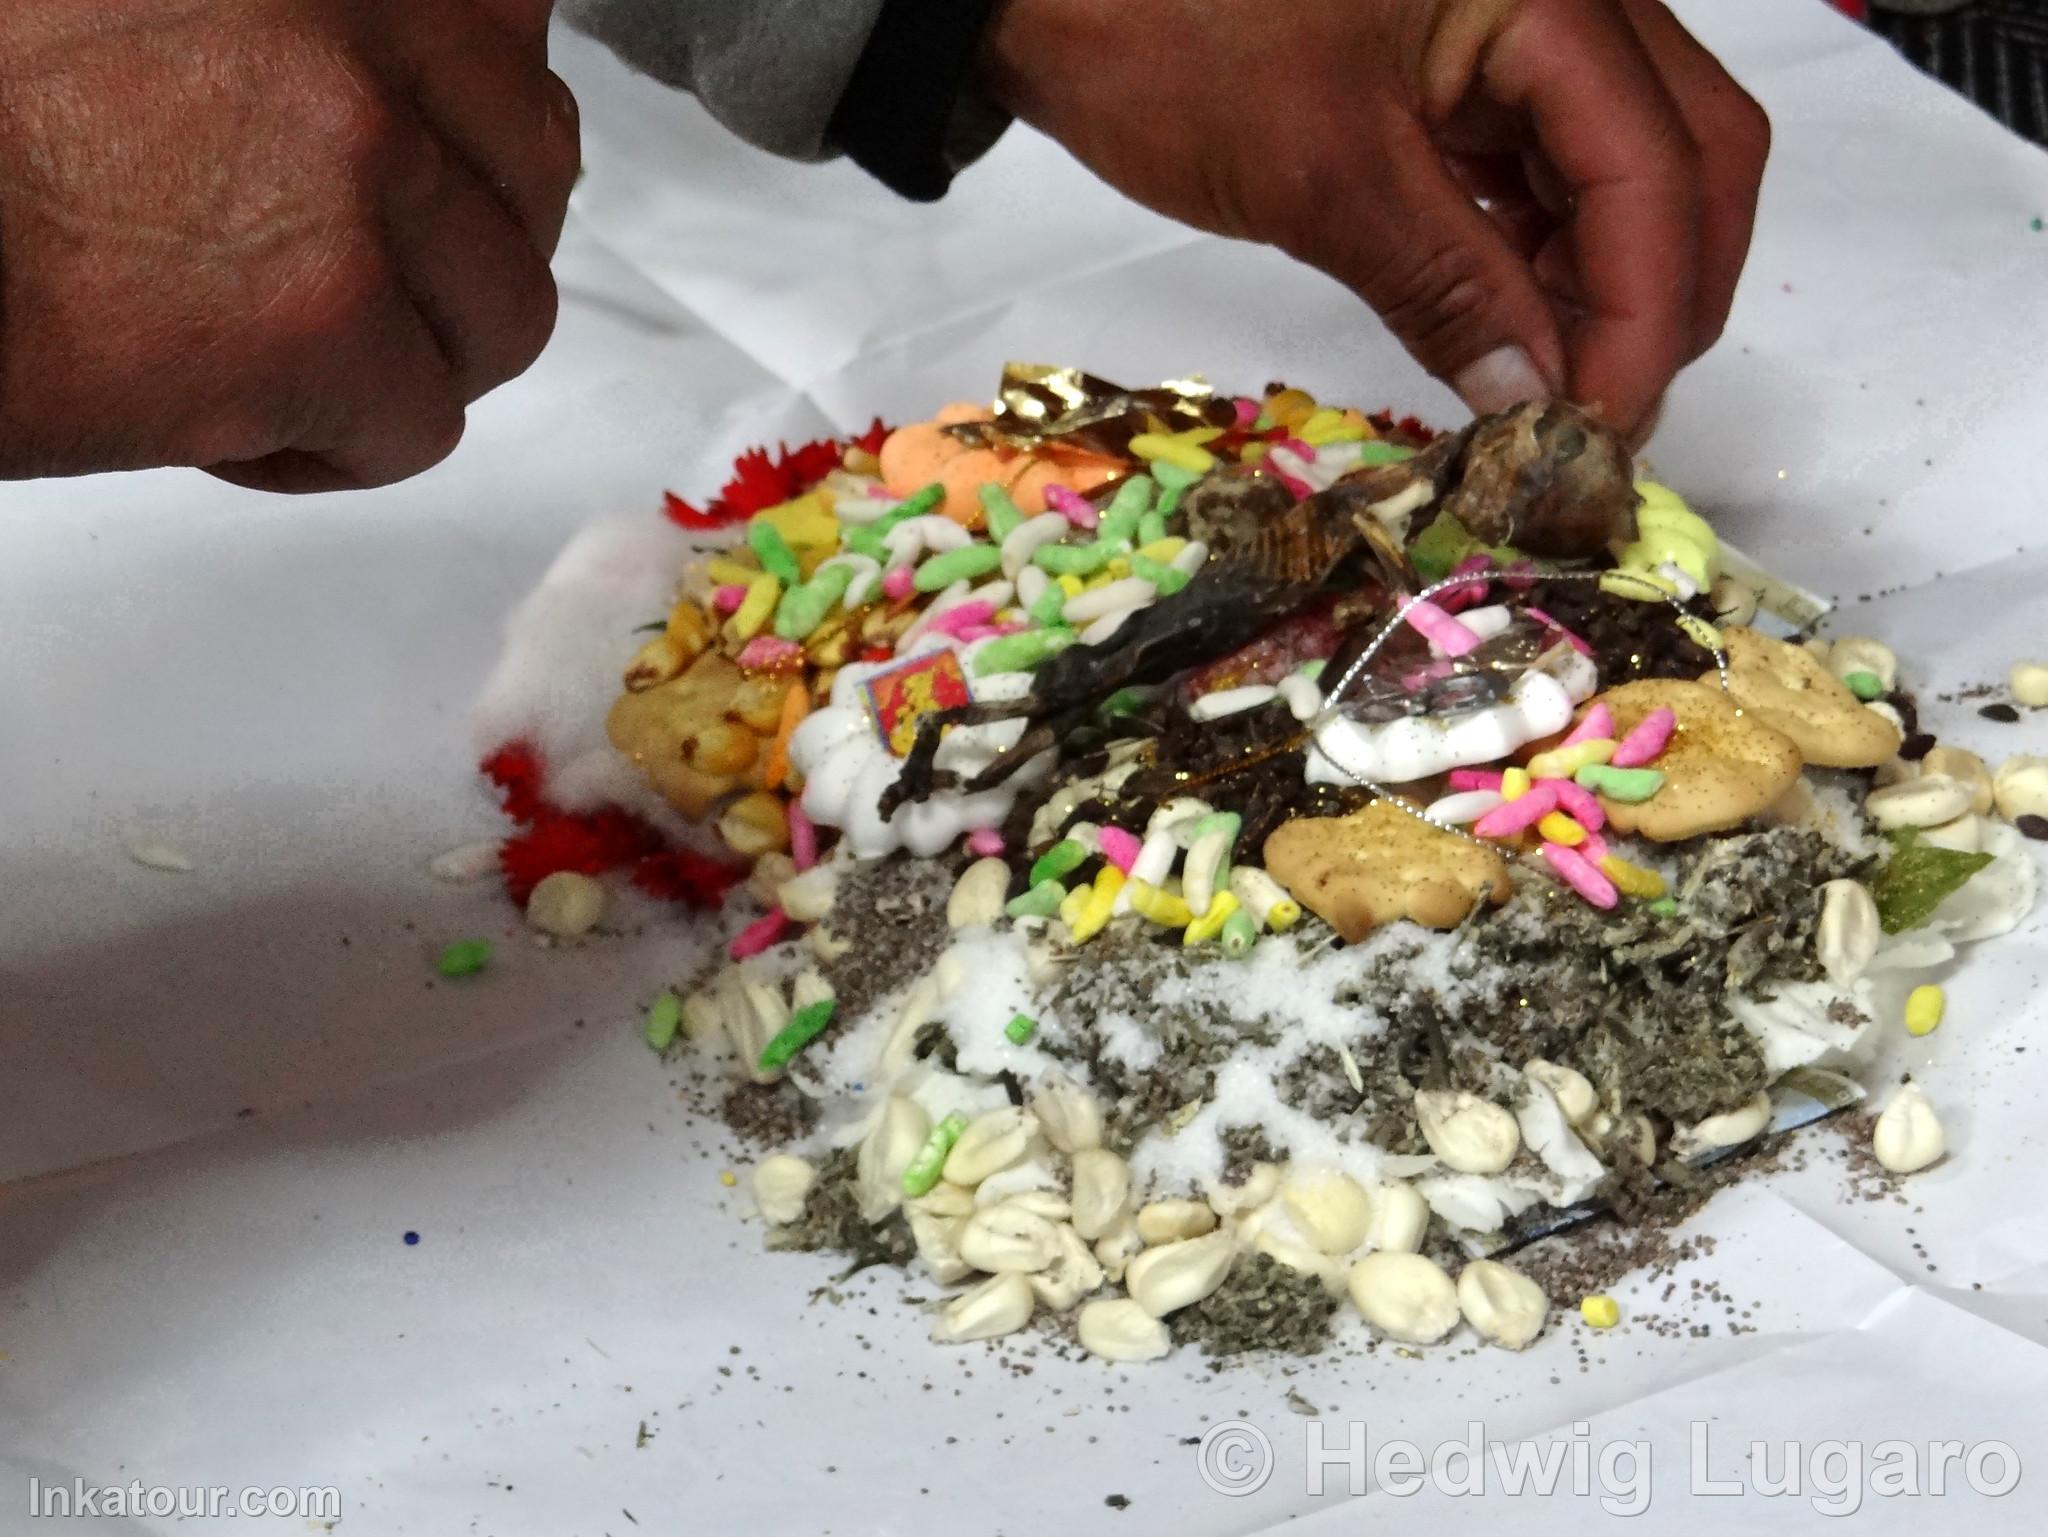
285	240
1538	196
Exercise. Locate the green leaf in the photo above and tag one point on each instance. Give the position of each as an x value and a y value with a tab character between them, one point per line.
1917	879
1439	548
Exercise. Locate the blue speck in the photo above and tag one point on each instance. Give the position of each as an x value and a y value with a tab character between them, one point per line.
412	1238
858	1087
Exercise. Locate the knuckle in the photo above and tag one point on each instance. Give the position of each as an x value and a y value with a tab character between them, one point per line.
1749	131
1432	299
344	107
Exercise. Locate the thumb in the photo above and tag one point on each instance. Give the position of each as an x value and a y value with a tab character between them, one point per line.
1411	242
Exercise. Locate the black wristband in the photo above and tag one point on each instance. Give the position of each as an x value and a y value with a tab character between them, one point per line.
896	117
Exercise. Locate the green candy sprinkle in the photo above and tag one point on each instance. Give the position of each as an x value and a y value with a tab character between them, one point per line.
1072	559
916	505
925	1168
1041	901
664	1018
1240	933
1058	862
1866	686
794	1036
1664	907
1630	786
803	608
1023	651
863	540
1377	451
1162	576
1151	528
1169	502
963	564
1312	670
1002	515
774	553
1019	1029
1125	701
1049	606
464	958
1133	498
1172	476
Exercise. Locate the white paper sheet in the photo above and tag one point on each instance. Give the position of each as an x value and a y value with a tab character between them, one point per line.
193	1296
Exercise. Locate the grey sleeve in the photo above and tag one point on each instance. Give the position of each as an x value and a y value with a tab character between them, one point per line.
770	70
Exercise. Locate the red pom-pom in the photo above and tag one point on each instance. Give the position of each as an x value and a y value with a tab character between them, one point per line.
516	770
871	441
696	519
682	875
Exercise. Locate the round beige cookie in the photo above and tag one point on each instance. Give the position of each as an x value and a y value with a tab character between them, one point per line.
1376	865
1792	691
1722	767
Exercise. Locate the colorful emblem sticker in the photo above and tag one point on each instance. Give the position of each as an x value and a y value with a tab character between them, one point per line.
899	698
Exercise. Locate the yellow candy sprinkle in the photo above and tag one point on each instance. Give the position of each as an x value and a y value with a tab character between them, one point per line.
1924	1007
1100	902
1163	550
1290	408
747	621
1639	586
1514	783
1178	452
1210	924
1318	425
1563	762
1070	584
1283	915
1559	828
1073	903
1118	568
1632	880
1253	451
1600	1312
1148	901
1702	633
727	572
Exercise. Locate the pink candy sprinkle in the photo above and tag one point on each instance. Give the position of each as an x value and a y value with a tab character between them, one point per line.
985	842
1475	779
899	584
1416	682
1440	629
1642	745
1594	849
1520	576
1296	447
1580	804
1072	506
1120	848
1597	726
1451	599
1549	623
962	617
758	935
803	838
726	599
765	653
1247	411
1301	488
1518	816
1577	872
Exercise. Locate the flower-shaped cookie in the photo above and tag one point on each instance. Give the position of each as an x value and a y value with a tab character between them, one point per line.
1374	866
1789	689
1723	764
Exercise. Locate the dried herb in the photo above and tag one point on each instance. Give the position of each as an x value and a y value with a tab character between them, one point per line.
1917	879
1261	1305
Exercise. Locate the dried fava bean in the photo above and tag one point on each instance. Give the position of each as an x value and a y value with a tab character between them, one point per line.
1120	1330
1928	801
1407	1297
1966	768
1070	1115
1568	1086
566	905
1846	938
2029	681
1908	1134
977	899
998	1306
937	1237
1400	1219
1331	1209
1471	1135
1504	1305
1161	1222
1008	1238
1259	1186
1101	1191
2020	787
990	1143
1731	1128
1073	1274
781	1181
1171	1276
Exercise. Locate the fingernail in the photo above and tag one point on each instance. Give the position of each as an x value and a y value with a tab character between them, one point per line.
1504	377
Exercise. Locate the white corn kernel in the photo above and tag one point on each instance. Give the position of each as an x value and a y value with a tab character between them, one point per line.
998	1306
1572	1090
1504	1305
1116	1248
781	1182
1859	653
1049	1204
1928	801
1888	713
1406	1297
2029	682
944	1200
1073	1274
1008	1238
1326	1268
990	1143
1172	1276
1102	1191
1965	768
1167	1221
1120	1330
1260	1185
1731	1128
1330	1208
938	1245
766	879
1400	1218
1965	835
703	1018
977	899
2021	787
1632	1131
825	943
1846	938
1734	601
1070	1115
898	1137
1908	1135
463	865
809	987
1470	1134
808	897
566	905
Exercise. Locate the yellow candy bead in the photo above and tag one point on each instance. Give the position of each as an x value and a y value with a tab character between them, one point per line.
1563	762
1514	783
1600	1312
1161	907
1924	1007
753	614
1632	880
1210	924
1559	828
